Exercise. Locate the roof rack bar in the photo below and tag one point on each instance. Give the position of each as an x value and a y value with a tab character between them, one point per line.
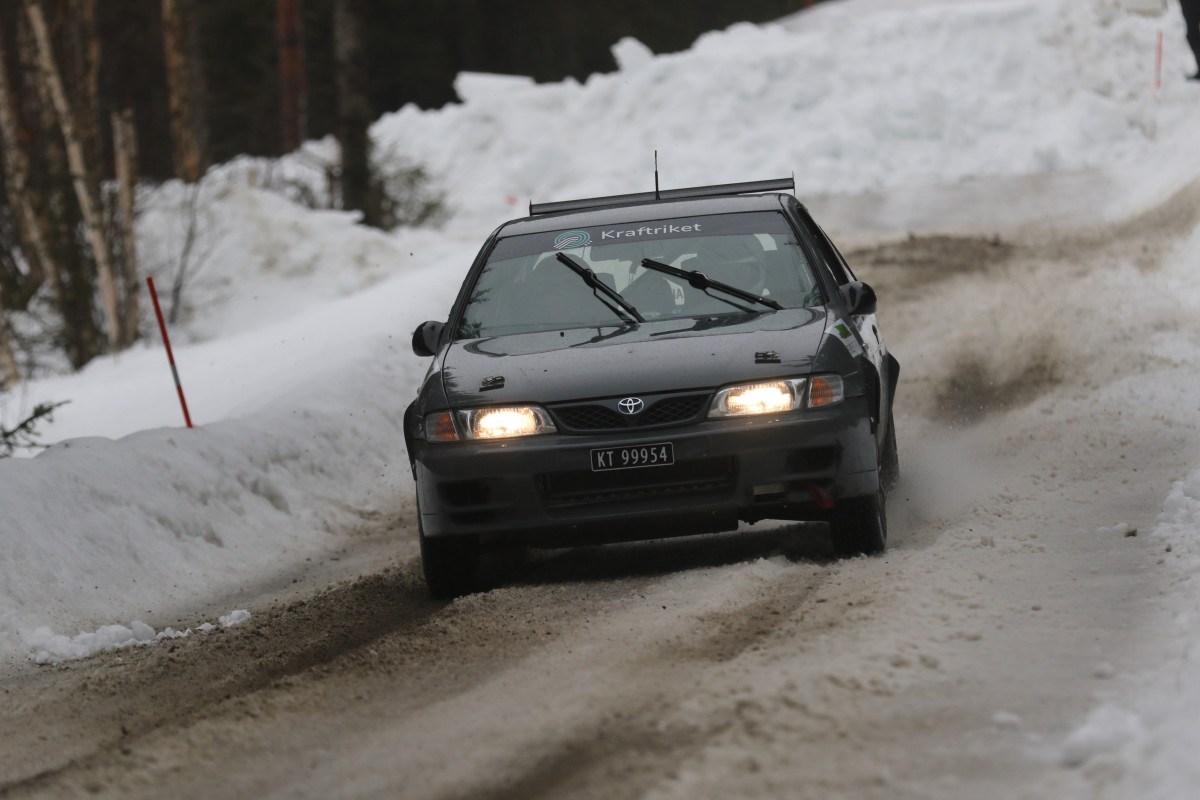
746	187
718	190
536	209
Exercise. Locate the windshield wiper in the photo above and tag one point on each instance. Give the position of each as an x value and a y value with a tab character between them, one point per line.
698	280
592	280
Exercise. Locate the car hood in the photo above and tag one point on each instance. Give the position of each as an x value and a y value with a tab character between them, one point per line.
662	356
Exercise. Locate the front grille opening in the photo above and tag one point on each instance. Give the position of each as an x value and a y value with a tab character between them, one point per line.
672	410
812	459
464	494
589	418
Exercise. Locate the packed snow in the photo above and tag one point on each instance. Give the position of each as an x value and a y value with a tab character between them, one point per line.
293	337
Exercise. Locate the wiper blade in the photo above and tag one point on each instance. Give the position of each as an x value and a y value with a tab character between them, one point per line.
698	280
593	280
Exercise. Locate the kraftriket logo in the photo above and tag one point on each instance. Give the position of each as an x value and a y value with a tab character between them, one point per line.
568	239
660	230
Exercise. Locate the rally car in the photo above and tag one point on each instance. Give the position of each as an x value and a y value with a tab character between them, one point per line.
646	366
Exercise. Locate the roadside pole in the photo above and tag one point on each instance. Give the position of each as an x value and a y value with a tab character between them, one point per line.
162	326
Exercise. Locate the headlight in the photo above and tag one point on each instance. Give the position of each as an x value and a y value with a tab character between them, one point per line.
768	397
775	397
505	423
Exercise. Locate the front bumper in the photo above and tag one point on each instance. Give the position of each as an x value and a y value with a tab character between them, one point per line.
542	491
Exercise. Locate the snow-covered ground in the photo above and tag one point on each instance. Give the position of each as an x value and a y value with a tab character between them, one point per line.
293	345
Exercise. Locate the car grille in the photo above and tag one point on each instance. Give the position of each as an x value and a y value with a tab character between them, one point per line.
564	489
603	416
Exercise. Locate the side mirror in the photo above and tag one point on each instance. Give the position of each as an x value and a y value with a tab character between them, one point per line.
859	298
426	338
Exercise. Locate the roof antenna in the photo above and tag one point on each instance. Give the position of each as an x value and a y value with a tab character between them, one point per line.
656	194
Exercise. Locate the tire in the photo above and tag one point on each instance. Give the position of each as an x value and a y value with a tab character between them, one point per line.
858	525
451	565
889	459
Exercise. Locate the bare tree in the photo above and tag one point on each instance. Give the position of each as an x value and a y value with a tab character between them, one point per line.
89	203
55	200
125	155
197	247
82	60
189	128
53	160
360	191
10	373
23	195
293	86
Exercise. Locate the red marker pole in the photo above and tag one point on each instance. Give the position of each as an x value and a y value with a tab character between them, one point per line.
162	326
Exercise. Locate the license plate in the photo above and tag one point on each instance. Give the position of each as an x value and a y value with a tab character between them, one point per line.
633	456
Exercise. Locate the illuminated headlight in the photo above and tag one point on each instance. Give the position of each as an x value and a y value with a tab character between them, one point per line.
505	423
775	397
768	397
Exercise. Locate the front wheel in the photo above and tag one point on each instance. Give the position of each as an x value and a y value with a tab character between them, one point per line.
451	565
889	458
858	525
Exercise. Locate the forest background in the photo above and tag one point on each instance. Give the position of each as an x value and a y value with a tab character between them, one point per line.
98	99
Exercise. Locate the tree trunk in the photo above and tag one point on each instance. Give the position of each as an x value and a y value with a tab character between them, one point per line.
125	151
88	204
83	63
81	337
23	196
293	86
359	191
189	128
39	185
10	373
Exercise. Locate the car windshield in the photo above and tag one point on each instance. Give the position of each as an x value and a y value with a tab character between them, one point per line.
524	286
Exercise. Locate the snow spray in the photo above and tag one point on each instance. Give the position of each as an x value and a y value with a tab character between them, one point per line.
162	326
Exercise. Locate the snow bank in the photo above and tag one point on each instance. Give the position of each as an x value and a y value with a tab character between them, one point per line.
1151	747
96	530
850	97
1150	742
50	647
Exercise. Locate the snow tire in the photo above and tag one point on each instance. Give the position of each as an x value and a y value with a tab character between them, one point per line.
451	565
889	459
858	525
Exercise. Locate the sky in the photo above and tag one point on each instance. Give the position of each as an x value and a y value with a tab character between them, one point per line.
293	340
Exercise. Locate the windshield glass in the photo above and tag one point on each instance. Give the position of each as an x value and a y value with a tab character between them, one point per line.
524	287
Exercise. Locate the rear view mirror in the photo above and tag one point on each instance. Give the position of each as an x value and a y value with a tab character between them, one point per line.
859	298
426	338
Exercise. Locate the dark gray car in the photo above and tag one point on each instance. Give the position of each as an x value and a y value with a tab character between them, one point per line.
647	366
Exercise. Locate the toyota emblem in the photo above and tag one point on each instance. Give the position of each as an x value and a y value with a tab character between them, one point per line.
630	405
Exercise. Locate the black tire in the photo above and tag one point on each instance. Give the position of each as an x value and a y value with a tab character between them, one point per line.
451	565
858	525
889	459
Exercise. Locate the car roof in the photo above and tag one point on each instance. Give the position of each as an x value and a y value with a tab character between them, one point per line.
643	212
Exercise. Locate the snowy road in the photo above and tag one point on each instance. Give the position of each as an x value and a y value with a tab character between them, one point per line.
1037	433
